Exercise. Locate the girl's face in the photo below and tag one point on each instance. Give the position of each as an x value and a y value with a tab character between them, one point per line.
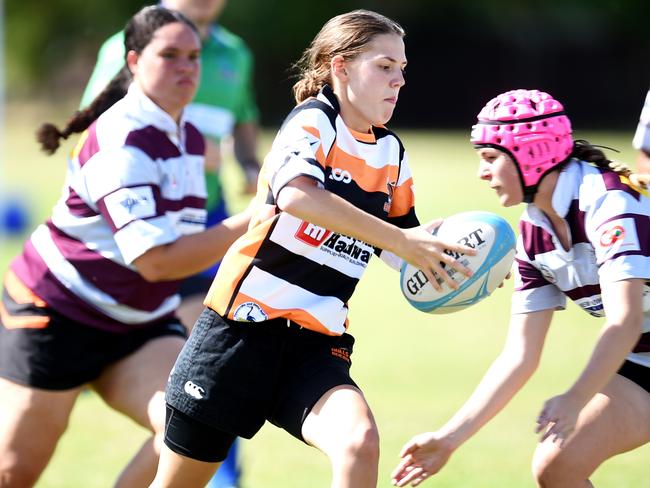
370	83
497	168
168	68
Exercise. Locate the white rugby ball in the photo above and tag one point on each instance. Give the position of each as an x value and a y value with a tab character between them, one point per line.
494	241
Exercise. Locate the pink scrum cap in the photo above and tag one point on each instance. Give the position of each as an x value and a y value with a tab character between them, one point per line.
532	127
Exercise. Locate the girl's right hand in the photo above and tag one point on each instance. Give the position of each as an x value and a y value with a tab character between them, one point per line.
433	255
423	456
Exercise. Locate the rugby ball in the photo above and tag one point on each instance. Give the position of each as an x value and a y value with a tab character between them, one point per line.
494	241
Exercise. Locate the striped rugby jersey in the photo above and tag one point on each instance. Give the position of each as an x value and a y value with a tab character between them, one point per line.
609	228
286	267
134	181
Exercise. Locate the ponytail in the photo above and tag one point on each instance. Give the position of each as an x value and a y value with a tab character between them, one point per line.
587	152
49	136
346	35
311	82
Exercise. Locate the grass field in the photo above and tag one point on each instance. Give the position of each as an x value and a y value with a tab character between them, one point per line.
415	369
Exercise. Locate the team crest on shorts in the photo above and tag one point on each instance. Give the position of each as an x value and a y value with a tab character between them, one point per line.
250	312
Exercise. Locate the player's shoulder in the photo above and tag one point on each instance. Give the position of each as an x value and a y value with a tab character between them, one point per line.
312	112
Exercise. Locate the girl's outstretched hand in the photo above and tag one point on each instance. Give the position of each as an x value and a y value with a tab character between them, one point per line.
423	456
558	418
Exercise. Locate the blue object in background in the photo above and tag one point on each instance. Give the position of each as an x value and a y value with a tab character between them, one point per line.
14	216
229	472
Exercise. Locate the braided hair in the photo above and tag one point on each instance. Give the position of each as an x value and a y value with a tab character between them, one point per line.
585	151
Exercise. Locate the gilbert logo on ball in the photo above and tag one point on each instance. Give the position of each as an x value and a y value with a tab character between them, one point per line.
494	241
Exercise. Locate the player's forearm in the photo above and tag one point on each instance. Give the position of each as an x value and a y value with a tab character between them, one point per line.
501	382
191	254
614	344
325	209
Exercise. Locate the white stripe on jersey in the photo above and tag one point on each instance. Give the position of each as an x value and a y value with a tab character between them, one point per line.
284	234
280	294
71	279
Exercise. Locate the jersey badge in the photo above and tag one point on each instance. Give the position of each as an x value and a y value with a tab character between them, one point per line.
390	186
250	312
128	204
610	236
615	237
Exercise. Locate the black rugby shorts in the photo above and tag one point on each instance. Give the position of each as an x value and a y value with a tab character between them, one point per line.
233	376
64	353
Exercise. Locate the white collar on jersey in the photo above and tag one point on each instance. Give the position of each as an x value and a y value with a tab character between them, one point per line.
565	187
149	113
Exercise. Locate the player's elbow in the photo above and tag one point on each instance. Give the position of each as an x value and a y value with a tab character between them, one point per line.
521	362
152	274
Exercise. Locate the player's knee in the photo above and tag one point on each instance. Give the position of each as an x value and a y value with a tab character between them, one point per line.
362	444
157	411
553	470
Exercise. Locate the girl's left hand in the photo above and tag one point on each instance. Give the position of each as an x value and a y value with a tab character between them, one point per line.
558	418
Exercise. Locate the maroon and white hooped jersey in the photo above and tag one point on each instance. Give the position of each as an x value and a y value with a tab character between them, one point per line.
609	228
134	181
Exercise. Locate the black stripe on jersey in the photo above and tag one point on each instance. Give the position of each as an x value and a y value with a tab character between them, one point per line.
331	97
249	268
313	104
305	273
407	221
314	162
270	200
381	132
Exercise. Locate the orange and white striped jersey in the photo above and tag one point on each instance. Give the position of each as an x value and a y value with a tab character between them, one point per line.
286	267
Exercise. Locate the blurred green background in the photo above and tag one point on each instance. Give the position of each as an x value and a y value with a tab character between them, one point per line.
415	369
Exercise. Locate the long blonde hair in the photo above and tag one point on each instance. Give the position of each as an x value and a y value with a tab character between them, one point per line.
347	35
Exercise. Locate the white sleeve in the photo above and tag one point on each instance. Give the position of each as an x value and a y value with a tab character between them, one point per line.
620	237
300	149
642	135
124	185
532	291
391	259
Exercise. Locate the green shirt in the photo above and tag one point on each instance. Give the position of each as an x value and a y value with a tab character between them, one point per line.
225	95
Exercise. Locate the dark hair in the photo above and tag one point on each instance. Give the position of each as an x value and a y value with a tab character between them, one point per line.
138	33
585	151
347	35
